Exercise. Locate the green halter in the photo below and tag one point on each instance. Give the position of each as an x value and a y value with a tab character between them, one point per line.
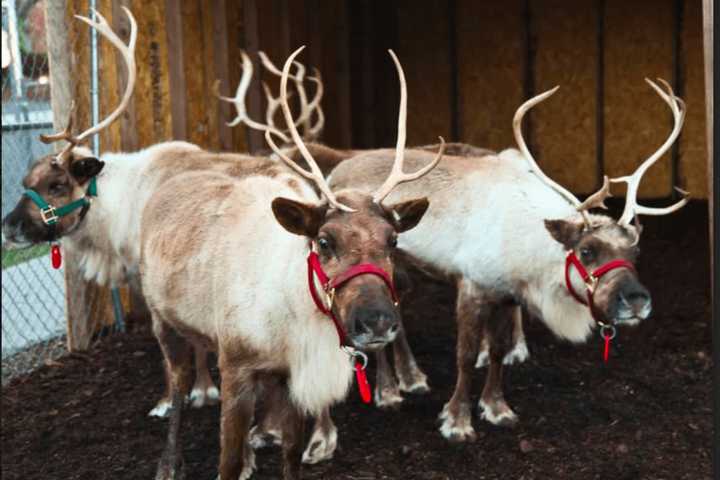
50	214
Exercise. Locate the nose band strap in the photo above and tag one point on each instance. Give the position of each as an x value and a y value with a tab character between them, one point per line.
51	215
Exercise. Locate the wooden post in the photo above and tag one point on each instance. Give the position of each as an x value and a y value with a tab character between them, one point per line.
708	49
86	305
178	100
254	103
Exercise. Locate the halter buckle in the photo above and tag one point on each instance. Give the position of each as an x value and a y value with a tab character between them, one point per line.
609	329
591	283
352	353
48	215
329	296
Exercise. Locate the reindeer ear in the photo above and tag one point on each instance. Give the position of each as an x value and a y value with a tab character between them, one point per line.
565	232
85	168
406	215
297	217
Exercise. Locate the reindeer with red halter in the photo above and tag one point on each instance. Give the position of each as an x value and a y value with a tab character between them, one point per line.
520	240
91	206
244	289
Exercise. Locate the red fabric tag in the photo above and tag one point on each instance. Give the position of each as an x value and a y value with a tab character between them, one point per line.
606	354
362	381
55	256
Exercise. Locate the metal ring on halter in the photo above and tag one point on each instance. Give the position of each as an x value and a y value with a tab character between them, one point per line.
611	328
356	353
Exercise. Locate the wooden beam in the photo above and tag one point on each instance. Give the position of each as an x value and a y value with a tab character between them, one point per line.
128	125
221	49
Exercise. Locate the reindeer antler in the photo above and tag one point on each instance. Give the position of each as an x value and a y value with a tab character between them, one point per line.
239	101
632	208
397	176
314	174
298	79
128	54
517	130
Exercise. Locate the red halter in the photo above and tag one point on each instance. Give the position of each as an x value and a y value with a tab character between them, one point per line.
591	280
329	286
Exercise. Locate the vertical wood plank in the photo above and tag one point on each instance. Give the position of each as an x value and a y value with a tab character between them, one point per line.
87	305
194	59
335	68
108	81
222	51
152	96
564	126
127	122
255	140
236	42
692	168
491	53
423	51
638	44
176	68
708	37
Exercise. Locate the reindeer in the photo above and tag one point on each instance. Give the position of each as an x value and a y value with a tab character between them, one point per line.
519	239
244	293
91	205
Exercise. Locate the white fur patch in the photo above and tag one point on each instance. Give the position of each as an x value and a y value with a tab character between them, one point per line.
420	385
505	418
518	354
199	397
321	447
387	399
161	410
262	439
457	430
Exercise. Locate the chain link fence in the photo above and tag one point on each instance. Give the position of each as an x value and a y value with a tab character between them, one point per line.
33	293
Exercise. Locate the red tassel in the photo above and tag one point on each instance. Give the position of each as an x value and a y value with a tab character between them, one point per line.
362	381
55	256
606	354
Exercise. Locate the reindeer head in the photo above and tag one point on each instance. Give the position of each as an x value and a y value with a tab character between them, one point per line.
603	247
58	187
350	227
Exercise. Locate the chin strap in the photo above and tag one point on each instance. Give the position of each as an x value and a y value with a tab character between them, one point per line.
591	279
51	215
329	286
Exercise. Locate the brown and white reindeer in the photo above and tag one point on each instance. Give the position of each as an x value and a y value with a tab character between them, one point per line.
244	289
508	236
92	205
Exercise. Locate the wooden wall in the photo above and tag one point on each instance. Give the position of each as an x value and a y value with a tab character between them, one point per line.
469	65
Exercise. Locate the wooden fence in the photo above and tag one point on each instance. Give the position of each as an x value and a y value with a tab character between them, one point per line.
469	65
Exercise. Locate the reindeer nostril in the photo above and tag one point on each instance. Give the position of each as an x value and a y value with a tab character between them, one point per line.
394	328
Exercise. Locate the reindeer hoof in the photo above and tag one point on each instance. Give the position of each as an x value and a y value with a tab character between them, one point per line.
161	410
499	414
321	447
418	387
458	428
387	399
199	397
483	359
518	354
262	439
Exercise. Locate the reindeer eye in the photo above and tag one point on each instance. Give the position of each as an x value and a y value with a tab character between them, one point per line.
324	244
392	242
587	254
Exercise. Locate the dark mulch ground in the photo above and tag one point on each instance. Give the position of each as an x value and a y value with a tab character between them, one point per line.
646	415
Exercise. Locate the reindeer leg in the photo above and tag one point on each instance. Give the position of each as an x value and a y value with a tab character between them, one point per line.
492	404
204	391
163	406
456	416
294	421
412	379
387	393
323	441
177	352
519	352
237	458
268	430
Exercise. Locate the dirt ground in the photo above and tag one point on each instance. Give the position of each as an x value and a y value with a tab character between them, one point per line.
646	415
